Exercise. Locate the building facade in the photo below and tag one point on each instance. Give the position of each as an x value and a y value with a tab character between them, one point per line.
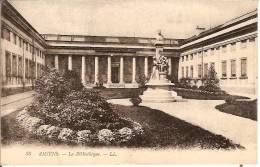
22	51
122	62
231	48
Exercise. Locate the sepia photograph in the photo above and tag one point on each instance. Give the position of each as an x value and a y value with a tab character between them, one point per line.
128	82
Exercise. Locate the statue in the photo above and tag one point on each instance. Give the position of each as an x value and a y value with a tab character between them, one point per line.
159	87
159	37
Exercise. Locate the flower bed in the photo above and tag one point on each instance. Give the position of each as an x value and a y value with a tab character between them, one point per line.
203	95
64	111
39	128
246	109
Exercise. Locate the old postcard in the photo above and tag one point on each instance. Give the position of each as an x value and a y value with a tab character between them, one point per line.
128	81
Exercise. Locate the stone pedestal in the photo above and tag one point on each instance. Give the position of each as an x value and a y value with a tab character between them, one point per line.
160	91
159	87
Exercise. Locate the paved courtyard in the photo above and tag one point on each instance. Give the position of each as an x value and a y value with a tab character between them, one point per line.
202	113
15	102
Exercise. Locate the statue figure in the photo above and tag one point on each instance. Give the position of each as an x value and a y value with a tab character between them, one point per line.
155	70
159	37
163	65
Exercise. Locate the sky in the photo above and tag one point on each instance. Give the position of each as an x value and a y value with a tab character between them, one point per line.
139	18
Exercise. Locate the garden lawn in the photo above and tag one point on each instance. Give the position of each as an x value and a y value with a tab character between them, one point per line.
246	109
162	130
203	95
120	93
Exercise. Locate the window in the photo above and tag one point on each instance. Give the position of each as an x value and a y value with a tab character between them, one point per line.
206	70
243	67
243	44
20	42
233	68
182	58
26	45
206	53
224	69
252	40
199	71
6	34
14	66
233	46
20	67
187	72
182	72
212	65
14	38
224	48
8	64
212	51
191	56
191	71
187	57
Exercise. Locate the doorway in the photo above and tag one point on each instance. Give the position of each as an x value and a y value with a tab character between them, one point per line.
115	74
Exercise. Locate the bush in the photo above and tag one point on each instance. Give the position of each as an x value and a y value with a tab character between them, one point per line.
106	136
185	83
65	107
211	82
84	136
142	80
86	109
230	100
194	87
73	79
136	101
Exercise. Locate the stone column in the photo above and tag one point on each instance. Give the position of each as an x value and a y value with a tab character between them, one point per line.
146	66
24	82
83	70
36	67
109	70
169	66
17	69
56	62
11	68
96	69
70	62
121	70
134	70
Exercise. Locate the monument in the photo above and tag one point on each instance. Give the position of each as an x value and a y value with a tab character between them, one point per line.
159	87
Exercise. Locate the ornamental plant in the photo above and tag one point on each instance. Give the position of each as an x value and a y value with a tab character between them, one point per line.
211	82
70	113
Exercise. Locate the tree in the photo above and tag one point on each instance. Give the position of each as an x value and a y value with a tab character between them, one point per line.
211	82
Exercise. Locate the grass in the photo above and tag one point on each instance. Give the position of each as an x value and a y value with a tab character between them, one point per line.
203	95
163	130
119	93
246	109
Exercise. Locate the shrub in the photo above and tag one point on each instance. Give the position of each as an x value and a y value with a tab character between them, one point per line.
125	134
211	82
84	136
53	132
230	100
194	87
136	101
71	112
87	109
42	130
73	79
106	136
66	135
142	80
185	83
52	84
